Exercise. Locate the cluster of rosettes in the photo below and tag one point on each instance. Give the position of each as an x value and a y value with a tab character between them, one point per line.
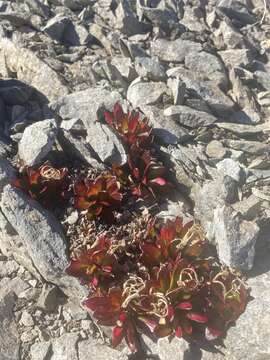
142	177
174	290
158	281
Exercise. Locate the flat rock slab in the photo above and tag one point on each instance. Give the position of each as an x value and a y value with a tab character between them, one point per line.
174	51
42	238
30	69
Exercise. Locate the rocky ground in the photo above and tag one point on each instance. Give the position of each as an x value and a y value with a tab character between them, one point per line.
200	71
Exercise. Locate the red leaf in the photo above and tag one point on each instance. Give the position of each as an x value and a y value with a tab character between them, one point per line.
200	318
158	181
117	335
179	332
108	117
185	305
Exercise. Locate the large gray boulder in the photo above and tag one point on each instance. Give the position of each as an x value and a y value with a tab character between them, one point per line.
89	105
42	239
37	141
30	69
235	238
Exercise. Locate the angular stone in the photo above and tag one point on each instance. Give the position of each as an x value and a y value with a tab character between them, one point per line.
30	69
235	238
244	130
189	117
174	51
9	342
215	150
236	57
41	351
263	78
222	190
42	237
178	89
78	148
56	27
89	106
37	141
98	351
208	65
65	347
126	21
167	131
250	147
231	168
150	68
38	8
146	93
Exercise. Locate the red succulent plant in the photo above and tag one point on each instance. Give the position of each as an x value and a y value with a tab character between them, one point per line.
148	177
109	309
46	184
94	265
174	290
135	132
97	196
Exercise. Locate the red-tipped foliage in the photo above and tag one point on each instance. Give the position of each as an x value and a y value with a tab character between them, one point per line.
135	132
174	290
149	177
98	196
94	265
46	184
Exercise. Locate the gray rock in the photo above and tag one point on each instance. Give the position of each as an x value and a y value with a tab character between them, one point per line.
124	67
9	343
98	351
37	141
174	51
235	238
126	21
49	298
150	68
8	268
7	173
89	105
213	194
167	131
250	147
30	69
231	168
56	27
193	19
131	49
207	90
237	10
189	117
78	148
99	33
245	130
41	351
38	8
229	37
43	239
164	18
215	150
65	347
236	57
263	78
178	89
15	285
27	319
208	65
146	93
